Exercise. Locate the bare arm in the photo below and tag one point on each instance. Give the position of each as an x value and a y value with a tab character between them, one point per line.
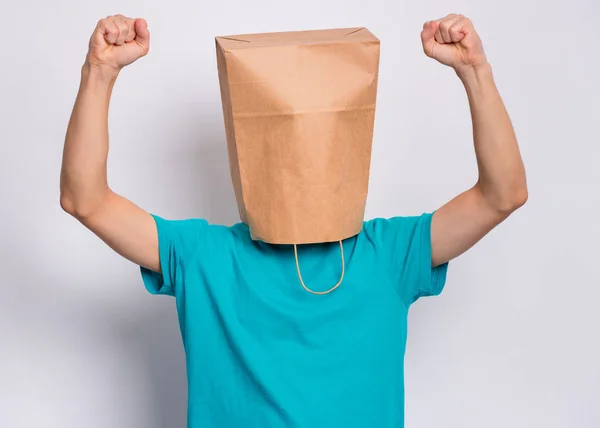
501	187
126	228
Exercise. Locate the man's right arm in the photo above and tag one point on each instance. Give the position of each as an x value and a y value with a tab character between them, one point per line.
84	192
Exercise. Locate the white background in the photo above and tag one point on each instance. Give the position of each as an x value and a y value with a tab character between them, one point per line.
512	342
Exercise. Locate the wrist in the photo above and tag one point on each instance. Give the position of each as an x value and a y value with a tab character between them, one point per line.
98	77
474	76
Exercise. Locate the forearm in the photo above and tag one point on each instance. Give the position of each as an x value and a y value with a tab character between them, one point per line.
501	173
83	176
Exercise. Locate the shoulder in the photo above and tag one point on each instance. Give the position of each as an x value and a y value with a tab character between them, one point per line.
192	232
379	228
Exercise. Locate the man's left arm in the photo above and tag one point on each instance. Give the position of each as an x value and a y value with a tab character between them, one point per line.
501	187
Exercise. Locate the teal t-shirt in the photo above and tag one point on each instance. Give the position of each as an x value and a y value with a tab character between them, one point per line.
263	352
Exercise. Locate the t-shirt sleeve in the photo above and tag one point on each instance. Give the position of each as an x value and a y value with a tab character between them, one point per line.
404	243
178	241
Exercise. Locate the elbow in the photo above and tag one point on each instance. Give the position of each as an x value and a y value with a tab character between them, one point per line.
68	199
67	204
77	208
70	206
80	199
511	202
521	198
505	202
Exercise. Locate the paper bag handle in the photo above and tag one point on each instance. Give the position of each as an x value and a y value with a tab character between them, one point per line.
320	292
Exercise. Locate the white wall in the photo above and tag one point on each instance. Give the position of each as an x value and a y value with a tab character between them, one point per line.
513	340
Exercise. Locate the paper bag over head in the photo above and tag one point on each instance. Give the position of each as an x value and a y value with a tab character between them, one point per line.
299	111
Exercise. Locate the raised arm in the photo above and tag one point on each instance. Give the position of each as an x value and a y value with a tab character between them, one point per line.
501	187
84	193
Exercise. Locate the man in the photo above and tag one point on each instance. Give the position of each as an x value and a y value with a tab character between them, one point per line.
261	351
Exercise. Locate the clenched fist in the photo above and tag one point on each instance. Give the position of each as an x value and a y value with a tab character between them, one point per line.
454	42
118	41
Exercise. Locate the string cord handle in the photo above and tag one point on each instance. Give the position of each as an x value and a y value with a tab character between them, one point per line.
320	292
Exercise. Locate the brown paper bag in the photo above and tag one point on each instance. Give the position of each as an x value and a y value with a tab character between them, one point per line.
299	110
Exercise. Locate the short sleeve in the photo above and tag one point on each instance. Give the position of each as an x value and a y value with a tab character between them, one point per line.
404	243
178	241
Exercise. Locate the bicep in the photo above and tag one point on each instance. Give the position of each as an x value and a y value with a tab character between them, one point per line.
127	229
460	224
